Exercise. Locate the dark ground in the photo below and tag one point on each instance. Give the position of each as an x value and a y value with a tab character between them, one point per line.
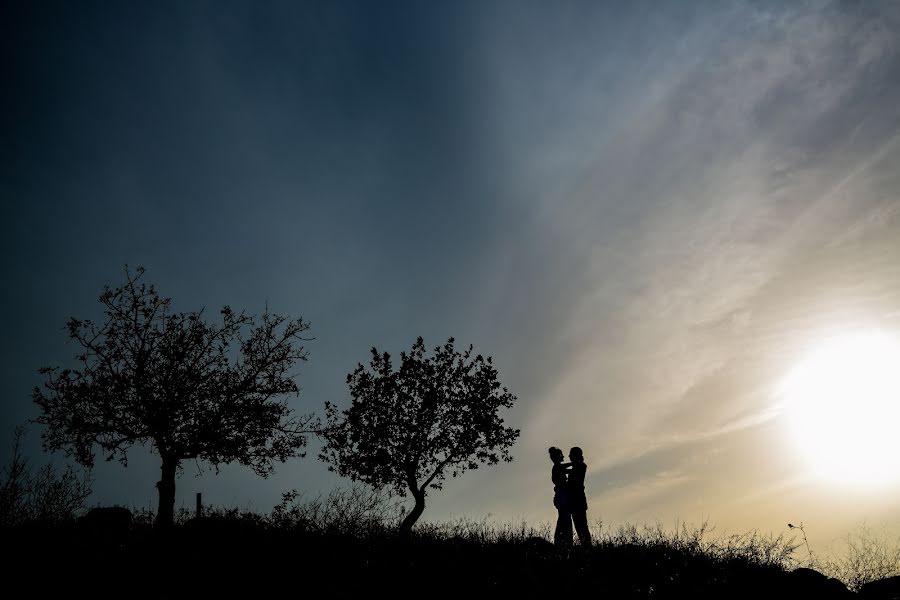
249	556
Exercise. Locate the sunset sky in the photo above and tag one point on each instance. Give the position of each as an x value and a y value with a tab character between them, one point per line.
648	213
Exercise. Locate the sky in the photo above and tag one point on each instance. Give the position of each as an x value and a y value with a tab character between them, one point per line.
647	213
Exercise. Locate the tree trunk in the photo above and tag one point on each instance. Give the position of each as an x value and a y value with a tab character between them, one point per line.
413	516
165	515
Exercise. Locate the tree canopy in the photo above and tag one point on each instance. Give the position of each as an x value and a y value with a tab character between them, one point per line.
407	429
188	387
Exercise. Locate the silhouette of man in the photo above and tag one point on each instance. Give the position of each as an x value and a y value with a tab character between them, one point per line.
577	499
563	534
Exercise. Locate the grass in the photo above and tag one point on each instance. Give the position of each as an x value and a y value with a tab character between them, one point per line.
345	544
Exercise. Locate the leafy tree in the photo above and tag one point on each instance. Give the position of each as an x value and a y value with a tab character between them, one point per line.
189	388
407	429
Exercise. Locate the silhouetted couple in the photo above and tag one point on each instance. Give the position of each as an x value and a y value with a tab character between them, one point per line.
568	497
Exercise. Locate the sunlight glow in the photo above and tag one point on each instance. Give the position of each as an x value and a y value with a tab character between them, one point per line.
843	406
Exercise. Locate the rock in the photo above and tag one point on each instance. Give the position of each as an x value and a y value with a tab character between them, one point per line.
809	583
882	589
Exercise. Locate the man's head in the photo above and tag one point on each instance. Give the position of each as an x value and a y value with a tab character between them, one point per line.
575	454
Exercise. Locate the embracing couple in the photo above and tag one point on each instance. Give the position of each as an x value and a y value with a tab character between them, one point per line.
568	497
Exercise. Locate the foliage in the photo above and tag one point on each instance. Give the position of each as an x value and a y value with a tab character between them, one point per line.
46	495
190	388
407	429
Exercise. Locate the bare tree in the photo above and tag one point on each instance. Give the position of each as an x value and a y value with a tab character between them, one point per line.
46	495
189	388
408	429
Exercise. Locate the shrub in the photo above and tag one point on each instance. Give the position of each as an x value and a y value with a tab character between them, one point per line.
863	555
46	495
357	510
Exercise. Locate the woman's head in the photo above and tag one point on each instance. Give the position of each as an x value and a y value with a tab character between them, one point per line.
556	455
575	454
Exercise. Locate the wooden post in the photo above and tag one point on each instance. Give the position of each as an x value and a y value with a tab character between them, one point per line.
199	506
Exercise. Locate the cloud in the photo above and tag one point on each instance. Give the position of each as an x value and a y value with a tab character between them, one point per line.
644	212
701	211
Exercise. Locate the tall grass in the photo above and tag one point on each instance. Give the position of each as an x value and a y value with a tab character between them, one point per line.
357	526
360	512
752	548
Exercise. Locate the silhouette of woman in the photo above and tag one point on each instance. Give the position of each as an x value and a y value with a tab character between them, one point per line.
577	499
563	534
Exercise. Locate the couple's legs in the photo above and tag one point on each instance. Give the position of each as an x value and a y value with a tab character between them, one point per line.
563	534
579	517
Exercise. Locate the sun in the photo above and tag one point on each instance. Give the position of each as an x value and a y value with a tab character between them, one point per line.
842	403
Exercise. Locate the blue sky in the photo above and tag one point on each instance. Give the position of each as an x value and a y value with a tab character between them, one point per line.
645	212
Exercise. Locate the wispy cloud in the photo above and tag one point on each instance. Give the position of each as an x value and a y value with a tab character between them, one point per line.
698	206
644	211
